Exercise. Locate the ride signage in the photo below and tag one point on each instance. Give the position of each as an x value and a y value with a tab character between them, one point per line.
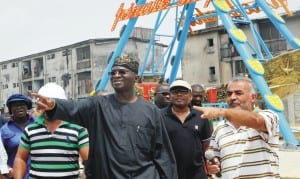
136	10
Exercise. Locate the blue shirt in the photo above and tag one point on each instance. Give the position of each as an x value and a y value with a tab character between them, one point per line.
11	134
2	122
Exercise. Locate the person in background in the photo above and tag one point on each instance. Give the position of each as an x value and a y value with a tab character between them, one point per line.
128	138
11	131
54	145
245	144
4	172
198	94
188	133
162	95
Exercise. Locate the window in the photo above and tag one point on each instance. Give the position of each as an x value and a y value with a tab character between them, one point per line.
212	74
268	31
210	42
210	46
272	38
52	79
26	69
50	56
85	85
15	85
4	66
83	53
5	86
239	68
14	64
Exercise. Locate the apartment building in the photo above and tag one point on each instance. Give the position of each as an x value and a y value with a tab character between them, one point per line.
77	67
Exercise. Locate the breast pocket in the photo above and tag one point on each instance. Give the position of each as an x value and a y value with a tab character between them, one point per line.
144	138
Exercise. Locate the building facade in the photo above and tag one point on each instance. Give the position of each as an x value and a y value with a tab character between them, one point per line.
77	67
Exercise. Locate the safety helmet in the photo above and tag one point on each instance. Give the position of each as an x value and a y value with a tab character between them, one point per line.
18	97
52	90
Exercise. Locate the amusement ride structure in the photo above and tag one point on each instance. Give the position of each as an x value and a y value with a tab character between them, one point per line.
229	12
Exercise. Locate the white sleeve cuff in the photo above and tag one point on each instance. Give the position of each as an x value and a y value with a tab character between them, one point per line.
4	169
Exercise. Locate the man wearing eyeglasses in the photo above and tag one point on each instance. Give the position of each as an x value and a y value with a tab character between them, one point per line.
128	138
188	134
162	95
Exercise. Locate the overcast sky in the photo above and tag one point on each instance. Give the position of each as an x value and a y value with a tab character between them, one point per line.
32	26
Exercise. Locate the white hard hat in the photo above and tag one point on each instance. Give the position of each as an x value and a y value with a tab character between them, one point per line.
52	90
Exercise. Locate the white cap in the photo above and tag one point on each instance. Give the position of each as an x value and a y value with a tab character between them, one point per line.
52	90
181	83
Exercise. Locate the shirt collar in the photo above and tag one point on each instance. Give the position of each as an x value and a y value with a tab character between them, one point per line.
192	111
40	120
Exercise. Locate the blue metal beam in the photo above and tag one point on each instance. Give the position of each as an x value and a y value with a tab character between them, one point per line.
122	42
182	39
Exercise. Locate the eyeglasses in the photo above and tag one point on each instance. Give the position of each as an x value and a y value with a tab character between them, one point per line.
164	93
179	90
120	72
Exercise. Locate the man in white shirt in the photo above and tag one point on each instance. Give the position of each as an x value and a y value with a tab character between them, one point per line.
244	144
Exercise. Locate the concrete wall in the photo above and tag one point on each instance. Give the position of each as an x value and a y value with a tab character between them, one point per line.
197	59
293	24
9	76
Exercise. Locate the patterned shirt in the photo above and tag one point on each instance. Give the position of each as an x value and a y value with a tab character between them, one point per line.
245	152
55	153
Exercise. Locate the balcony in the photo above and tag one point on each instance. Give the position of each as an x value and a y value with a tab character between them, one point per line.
276	46
26	76
84	64
227	52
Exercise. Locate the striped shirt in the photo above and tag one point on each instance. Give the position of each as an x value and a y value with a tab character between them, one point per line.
245	152
54	154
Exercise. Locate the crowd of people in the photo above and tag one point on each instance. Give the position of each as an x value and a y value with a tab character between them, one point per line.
120	135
